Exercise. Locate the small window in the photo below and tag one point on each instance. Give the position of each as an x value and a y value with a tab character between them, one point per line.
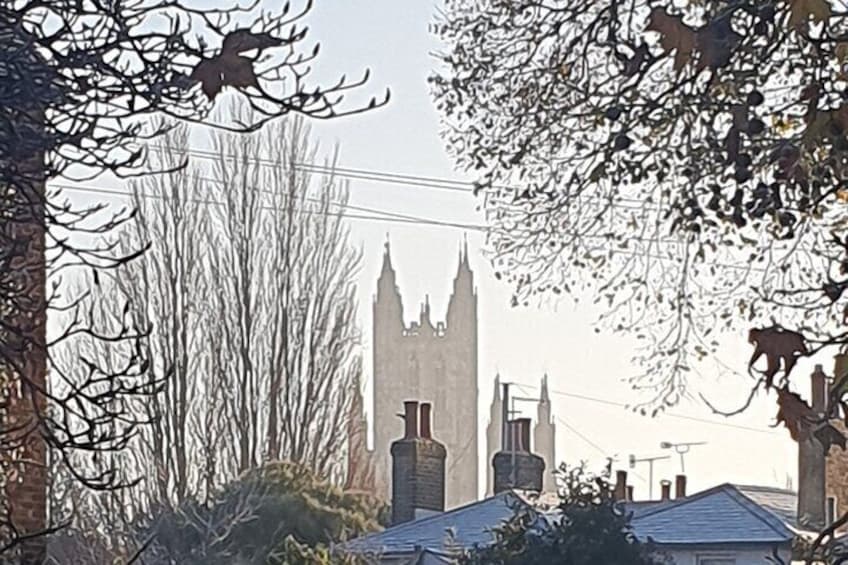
831	509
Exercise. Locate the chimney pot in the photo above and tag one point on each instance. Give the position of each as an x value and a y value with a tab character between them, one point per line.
620	485
665	489
680	486
524	434
629	493
410	419
418	468
513	436
515	466
819	390
426	431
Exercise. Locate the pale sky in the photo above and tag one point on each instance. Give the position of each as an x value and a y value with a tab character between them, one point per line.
391	38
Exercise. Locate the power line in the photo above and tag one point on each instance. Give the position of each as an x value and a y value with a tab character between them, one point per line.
576	432
358	173
668	414
390	217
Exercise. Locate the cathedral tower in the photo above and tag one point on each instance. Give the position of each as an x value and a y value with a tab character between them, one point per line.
544	437
494	433
434	363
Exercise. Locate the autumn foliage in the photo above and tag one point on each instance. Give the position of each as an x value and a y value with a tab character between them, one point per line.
684	164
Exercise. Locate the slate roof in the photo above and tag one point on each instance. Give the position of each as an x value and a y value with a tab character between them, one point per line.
461	528
780	502
726	514
719	515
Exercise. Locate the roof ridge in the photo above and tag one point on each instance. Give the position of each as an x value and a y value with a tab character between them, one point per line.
751	506
764	488
426	520
668	504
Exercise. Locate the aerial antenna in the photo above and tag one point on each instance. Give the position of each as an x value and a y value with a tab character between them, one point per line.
681	449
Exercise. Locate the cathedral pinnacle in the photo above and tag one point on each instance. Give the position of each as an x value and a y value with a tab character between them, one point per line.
387	257
544	395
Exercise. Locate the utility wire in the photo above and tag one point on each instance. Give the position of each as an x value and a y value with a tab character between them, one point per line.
357	173
669	414
388	218
378	215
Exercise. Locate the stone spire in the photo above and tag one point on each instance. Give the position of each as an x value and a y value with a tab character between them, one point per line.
545	436
462	306
360	460
494	433
387	303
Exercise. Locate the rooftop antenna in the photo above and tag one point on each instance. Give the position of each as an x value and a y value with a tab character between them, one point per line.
681	449
650	461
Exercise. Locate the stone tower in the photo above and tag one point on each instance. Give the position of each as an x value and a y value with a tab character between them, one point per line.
360	460
432	363
494	433
544	437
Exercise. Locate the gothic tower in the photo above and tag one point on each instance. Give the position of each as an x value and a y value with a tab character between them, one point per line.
430	363
360	460
544	437
494	433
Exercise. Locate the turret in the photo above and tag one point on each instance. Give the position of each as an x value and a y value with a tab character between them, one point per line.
494	433
462	306
544	436
388	308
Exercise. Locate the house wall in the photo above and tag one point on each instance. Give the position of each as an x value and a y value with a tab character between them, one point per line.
836	475
744	555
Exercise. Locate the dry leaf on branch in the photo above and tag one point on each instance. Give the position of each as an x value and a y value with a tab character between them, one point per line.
674	36
793	413
230	67
801	11
828	435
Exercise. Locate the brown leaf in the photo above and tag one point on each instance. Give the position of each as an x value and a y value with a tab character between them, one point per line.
793	413
208	74
801	11
225	70
674	36
242	40
828	435
229	68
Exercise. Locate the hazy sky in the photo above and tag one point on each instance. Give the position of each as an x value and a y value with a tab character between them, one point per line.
391	38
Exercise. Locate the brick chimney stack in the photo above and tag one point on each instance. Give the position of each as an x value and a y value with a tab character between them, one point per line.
515	466
418	467
665	490
811	462
680	486
620	489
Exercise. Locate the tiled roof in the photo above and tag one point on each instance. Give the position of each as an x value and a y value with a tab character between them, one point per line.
718	515
723	514
461	528
780	502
